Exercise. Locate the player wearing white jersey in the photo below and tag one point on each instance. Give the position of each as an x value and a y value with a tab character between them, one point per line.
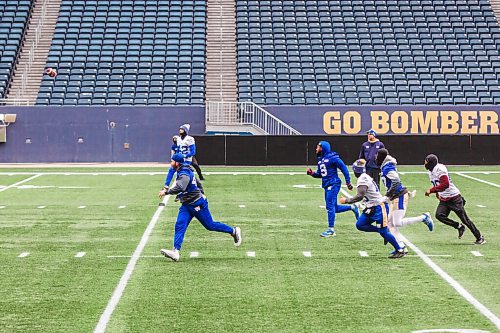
187	147
377	210
450	199
398	197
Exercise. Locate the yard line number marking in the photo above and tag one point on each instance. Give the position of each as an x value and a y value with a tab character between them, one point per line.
117	294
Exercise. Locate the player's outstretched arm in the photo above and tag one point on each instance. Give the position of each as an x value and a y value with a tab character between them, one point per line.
343	168
358	197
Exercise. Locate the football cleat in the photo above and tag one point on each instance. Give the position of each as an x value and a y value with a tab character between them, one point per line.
237	236
355	210
461	230
397	254
428	221
403	248
328	233
171	254
480	241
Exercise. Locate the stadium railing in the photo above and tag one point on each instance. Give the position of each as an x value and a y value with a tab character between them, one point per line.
246	114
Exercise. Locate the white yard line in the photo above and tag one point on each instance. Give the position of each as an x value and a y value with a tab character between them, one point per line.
457	286
476	253
476	179
117	294
21	182
251	254
363	253
80	254
307	254
23	255
481	206
159	256
194	254
452	282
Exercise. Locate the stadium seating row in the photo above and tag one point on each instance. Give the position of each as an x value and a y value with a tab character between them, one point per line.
127	52
13	19
366	52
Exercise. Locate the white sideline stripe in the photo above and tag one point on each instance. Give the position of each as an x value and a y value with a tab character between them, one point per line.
80	254
21	182
251	254
477	179
452	282
211	173
363	253
117	294
81	207
194	254
307	254
476	253
41	207
481	206
23	255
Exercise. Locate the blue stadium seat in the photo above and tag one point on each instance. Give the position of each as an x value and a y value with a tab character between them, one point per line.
414	51
123	45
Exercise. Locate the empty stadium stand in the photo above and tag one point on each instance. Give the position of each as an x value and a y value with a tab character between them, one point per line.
114	52
422	52
13	20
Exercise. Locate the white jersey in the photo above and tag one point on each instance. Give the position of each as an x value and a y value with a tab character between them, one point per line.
184	146
436	173
372	196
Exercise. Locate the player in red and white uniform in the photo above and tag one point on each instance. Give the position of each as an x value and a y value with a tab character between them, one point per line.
450	199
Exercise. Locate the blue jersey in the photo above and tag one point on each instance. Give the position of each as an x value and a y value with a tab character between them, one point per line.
390	174
328	165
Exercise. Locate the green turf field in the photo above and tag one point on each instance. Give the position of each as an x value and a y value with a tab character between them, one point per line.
50	216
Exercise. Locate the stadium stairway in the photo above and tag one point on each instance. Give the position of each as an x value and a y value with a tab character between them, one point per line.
38	39
495	5
221	75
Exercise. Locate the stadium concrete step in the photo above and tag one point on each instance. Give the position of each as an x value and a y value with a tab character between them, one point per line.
495	5
221	74
29	69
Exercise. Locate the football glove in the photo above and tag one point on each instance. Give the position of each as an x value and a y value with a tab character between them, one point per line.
349	186
309	172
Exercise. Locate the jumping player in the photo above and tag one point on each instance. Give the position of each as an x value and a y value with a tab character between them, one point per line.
193	204
377	210
187	147
450	199
329	163
398	196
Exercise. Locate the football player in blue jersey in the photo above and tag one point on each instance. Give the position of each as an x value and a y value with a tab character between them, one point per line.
329	162
174	149
187	147
193	204
398	197
377	209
